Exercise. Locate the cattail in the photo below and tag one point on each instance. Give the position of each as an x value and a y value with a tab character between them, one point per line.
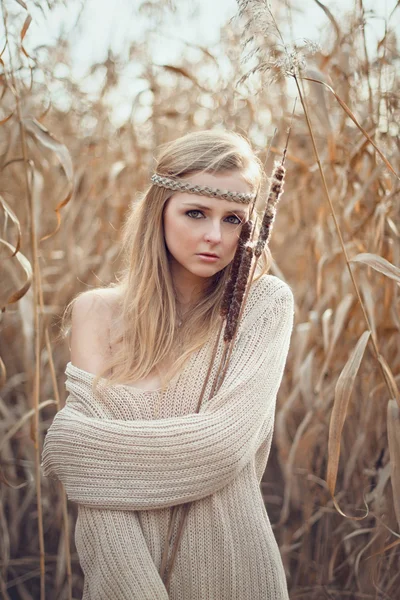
275	192
237	259
237	298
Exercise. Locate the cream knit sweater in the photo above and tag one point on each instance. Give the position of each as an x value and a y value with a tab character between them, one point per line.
125	469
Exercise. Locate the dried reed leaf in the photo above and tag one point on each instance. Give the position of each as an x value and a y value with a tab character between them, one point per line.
332	560
18	486
184	73
24	29
15	276
353	118
393	432
385	549
334	22
9	116
340	317
303	335
44	113
354	202
325	321
369	301
341	314
363	549
288	473
343	389
307	379
320	266
44	137
9	214
21	422
390	379
282	423
22	3
320	105
349	469
3	373
2	52
378	263
392	226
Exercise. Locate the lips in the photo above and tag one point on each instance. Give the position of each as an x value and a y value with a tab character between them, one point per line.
208	254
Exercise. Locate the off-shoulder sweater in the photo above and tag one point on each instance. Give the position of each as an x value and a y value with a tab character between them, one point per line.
125	469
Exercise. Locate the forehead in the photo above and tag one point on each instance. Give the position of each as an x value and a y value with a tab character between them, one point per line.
232	182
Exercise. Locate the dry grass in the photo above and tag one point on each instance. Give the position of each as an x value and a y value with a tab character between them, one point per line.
335	241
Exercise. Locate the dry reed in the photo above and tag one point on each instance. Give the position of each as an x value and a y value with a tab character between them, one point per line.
353	111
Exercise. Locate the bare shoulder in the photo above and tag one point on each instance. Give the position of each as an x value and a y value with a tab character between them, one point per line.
99	300
90	328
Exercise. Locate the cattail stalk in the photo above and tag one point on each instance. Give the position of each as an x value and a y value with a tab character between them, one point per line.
230	289
275	192
232	318
237	259
237	298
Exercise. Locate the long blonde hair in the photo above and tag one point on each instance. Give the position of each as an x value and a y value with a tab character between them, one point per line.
145	324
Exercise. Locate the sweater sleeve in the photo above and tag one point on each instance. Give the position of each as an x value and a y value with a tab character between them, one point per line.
150	464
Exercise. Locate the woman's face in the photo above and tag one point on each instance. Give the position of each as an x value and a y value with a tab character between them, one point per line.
194	224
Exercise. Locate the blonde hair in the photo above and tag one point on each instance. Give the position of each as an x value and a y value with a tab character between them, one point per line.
144	326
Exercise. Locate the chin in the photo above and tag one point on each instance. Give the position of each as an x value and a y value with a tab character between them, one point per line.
205	273
208	271
205	270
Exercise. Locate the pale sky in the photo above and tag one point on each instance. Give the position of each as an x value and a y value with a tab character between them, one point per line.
115	24
106	23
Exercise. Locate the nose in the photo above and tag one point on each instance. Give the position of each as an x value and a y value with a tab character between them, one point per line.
213	233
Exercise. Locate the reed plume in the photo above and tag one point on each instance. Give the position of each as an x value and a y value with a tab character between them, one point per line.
238	295
230	285
276	190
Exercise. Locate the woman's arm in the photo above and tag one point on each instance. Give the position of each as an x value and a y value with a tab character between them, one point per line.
149	464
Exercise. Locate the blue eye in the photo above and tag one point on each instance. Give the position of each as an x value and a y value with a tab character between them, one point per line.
238	221
193	211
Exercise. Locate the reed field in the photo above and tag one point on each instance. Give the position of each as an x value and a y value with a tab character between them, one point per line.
332	483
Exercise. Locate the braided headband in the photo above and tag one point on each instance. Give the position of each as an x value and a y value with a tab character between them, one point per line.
181	186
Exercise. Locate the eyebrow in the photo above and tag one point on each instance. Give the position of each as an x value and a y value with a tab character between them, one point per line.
202	206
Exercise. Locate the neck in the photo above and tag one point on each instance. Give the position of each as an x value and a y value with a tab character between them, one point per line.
189	288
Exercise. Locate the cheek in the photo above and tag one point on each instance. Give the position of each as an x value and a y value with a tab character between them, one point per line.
177	233
230	245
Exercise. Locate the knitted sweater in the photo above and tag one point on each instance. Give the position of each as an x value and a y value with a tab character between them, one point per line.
125	469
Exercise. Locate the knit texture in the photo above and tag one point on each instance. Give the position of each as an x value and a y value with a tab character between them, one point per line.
125	469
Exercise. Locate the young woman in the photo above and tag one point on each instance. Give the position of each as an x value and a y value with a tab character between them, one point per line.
129	444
